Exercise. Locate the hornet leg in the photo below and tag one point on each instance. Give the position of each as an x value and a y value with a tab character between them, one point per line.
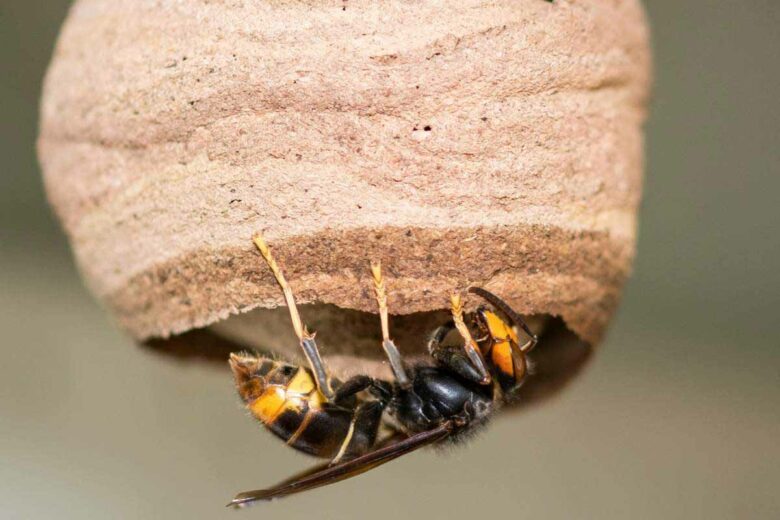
467	361
381	390
362	433
469	345
513	316
306	338
390	349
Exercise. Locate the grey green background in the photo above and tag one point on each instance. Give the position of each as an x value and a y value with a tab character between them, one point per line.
678	416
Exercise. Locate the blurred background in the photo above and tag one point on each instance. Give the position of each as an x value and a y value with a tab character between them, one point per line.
678	415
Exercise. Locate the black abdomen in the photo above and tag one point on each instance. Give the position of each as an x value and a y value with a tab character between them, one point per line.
316	431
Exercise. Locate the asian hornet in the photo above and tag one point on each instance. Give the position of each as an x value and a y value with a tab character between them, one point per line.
445	398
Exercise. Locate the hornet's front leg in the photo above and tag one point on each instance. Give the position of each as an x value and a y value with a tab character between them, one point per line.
515	319
466	360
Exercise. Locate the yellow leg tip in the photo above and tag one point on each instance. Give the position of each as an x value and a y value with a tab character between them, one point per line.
457	303
376	271
261	245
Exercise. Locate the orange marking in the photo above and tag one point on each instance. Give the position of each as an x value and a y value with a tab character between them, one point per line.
300	391
502	358
503	336
268	406
499	329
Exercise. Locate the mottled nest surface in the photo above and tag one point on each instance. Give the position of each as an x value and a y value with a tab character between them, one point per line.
462	144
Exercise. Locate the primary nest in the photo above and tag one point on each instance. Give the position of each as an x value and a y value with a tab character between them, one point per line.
461	143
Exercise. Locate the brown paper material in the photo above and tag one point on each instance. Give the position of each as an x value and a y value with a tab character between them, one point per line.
462	143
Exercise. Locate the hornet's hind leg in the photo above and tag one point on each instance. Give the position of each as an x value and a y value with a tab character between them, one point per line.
362	432
306	338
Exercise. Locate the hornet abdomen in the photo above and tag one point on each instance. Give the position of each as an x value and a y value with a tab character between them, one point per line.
286	400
